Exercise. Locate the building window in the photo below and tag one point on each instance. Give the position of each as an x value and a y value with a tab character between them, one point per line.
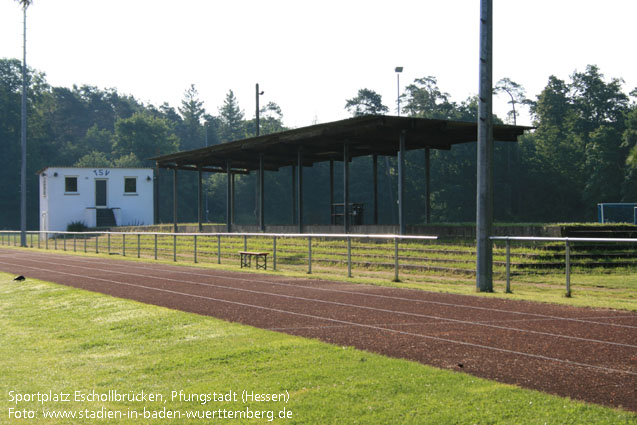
130	184
43	186
70	184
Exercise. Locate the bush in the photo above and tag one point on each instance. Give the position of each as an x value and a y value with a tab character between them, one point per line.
76	226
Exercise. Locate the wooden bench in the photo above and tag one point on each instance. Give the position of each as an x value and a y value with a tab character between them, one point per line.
260	259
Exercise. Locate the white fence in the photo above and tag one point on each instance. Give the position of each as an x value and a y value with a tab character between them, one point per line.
567	255
44	239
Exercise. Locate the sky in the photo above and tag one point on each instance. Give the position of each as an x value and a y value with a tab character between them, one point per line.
310	57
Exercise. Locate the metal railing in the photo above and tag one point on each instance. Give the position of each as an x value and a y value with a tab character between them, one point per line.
44	238
567	252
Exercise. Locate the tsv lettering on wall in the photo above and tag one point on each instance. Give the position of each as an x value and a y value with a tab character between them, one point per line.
101	173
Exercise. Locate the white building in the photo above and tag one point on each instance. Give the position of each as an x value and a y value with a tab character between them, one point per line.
97	197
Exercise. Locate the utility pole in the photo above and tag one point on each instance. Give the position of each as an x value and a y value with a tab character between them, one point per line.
484	210
23	167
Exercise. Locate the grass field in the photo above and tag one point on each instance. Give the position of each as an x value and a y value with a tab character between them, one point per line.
59	339
442	266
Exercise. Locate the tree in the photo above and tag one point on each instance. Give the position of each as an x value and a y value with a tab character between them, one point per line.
424	99
94	159
232	127
145	136
366	102
192	112
515	91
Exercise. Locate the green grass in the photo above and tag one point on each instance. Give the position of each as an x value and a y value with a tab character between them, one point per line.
60	339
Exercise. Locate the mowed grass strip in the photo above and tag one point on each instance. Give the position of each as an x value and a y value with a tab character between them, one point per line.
59	339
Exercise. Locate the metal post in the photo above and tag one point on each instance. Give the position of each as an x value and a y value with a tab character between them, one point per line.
261	190
139	245
123	244
174	247
199	200
39	240
309	255
568	270
85	245
55	242
332	217
175	200
64	241
74	242
349	257
195	250
484	213
375	178
401	184
508	266
274	253
396	279
245	242
299	195
155	246
218	249
97	244
108	243
46	240
228	198
345	188
427	185
23	165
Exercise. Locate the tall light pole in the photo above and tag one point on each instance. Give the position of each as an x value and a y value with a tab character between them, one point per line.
258	93
399	69
23	168
484	210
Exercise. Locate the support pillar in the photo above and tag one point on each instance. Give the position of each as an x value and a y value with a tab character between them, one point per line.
401	184
427	186
484	210
293	185
299	194
156	194
199	199
375	178
228	197
332	221
175	200
261	193
345	188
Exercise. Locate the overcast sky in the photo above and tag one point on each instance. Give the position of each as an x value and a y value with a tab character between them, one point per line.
309	57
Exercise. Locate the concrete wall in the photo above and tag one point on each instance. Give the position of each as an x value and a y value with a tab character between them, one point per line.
59	208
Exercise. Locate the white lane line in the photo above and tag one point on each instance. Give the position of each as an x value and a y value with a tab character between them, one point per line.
348	305
345	322
210	275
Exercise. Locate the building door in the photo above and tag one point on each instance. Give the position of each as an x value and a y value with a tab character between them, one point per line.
100	193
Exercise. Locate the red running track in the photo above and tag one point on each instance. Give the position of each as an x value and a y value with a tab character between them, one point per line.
586	354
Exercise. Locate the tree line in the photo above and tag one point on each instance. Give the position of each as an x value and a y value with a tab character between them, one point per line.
583	150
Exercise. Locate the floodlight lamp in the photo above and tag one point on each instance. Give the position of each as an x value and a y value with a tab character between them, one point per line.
399	69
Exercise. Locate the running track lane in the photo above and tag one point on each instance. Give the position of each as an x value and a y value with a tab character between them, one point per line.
588	354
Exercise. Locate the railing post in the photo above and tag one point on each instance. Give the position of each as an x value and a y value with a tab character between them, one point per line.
274	253
309	255
175	247
508	266
568	270
139	247
31	240
218	249
396	279
108	243
123	244
245	242
155	246
195	250
74	243
85	245
349	257
97	244
39	240
55	242
64	241
46	240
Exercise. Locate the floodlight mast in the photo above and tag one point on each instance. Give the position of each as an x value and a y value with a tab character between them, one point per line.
484	208
23	131
398	70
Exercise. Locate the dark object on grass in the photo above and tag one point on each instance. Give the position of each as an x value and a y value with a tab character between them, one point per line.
460	365
20	278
